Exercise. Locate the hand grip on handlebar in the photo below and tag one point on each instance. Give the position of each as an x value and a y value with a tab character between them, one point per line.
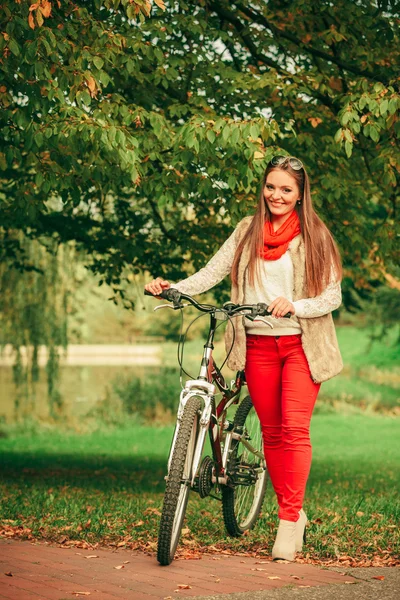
261	310
169	294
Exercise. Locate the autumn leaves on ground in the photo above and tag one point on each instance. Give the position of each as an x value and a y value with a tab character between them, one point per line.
106	488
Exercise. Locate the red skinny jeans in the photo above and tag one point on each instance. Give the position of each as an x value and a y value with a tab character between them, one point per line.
283	394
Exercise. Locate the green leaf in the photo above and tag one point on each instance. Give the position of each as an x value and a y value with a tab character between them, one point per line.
345	118
111	134
362	102
339	135
232	181
254	131
98	62
3	162
348	146
347	135
392	105
210	135
374	133
235	135
39	178
12	44
104	78
39	139
226	132
383	107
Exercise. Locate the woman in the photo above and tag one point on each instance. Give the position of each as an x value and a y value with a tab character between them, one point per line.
284	256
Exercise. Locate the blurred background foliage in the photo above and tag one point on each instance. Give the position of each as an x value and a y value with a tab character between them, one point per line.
135	135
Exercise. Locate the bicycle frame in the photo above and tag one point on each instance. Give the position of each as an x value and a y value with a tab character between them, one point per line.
204	386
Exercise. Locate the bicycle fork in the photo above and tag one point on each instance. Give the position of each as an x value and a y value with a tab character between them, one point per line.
206	391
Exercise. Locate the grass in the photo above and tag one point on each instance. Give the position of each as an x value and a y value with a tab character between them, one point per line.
107	487
370	380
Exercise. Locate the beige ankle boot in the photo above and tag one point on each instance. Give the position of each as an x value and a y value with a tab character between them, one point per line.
301	530
285	542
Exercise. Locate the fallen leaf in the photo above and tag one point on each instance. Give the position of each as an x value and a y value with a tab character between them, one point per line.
258	569
283	561
218	580
9	574
80	593
120	567
359	513
91	556
152	511
380	577
126	562
295	576
189	542
304	585
349	582
183	586
138	524
273	577
62	540
185	531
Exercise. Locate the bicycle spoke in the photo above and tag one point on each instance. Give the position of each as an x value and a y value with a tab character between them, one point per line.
242	500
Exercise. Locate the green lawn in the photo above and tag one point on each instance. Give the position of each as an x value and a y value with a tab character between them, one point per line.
107	487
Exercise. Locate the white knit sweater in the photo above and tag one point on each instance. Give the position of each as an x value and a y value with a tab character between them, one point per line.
276	280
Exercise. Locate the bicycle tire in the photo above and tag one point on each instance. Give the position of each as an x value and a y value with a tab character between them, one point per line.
176	492
236	518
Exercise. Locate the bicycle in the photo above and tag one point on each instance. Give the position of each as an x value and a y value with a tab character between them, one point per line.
237	467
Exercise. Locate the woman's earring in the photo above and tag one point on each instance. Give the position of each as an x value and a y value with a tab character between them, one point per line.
298	201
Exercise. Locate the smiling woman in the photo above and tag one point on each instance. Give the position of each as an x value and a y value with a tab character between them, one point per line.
283	256
281	193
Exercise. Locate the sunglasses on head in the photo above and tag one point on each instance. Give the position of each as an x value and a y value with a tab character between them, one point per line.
279	160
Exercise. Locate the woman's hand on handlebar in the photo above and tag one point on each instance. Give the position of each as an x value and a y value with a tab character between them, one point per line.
280	307
156	286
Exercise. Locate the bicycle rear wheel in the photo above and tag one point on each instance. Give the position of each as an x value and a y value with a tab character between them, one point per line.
178	482
242	499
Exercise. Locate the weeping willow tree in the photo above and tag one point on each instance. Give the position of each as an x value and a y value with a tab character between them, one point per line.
37	279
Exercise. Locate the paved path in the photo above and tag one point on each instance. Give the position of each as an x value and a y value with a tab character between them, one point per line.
32	571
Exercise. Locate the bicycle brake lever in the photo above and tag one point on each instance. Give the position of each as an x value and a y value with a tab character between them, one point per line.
260	319
264	321
172	307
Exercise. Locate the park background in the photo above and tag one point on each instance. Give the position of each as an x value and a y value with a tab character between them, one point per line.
134	138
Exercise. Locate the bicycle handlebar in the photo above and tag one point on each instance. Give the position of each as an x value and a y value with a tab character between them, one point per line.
256	310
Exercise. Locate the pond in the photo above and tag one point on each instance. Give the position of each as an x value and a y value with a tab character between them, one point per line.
87	374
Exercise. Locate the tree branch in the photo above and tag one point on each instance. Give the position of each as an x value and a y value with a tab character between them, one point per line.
261	20
160	221
261	57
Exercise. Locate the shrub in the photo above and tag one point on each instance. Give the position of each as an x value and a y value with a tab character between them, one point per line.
153	397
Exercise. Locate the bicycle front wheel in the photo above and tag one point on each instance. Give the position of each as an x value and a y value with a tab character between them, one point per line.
242	499
178	482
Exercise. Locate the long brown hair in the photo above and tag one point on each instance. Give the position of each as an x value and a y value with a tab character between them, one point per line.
321	252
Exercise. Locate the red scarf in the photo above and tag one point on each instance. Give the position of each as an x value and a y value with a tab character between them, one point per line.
277	242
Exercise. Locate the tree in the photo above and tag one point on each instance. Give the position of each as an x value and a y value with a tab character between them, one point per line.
141	130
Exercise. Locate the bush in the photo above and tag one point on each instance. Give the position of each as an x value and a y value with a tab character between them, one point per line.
155	397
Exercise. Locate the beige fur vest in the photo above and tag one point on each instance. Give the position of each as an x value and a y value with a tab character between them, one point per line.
318	335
